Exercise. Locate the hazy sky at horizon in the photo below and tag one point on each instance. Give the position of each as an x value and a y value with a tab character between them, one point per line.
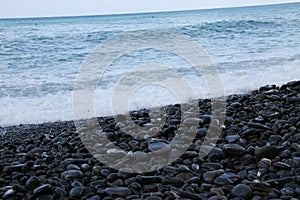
46	8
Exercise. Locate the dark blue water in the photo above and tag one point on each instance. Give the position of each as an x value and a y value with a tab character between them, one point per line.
40	58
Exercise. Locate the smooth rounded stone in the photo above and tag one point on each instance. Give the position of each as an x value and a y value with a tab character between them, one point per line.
97	171
282	165
45	197
286	137
206	187
73	167
96	197
242	174
60	191
150	194
286	144
272	195
32	182
148	179
266	152
5	188
36	151
210	176
260	186
227	178
65	163
9	193
270	114
7	154
76	184
275	138
13	168
297	179
293	99
153	198
202	131
115	153
139	156
232	138
118	191
184	176
258	126
216	198
112	177
297	190
170	169
195	167
136	186
173	181
20	149
211	165
98	183
287	191
157	146
296	146
76	192
194	179
284	181
133	197
235	105
141	167
259	119
129	180
117	182
293	120
88	191
85	167
273	97
189	195
184	168
171	110
125	172
168	130
217	191
285	154
72	174
234	149
297	136
204	150
192	121
174	121
43	189
190	154
267	87
242	190
264	163
20	188
150	188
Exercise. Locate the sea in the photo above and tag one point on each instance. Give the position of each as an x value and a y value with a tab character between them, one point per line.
40	58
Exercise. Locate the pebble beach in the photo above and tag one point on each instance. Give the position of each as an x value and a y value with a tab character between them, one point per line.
256	157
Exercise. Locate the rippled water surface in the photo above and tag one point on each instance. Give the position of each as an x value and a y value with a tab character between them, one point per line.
40	58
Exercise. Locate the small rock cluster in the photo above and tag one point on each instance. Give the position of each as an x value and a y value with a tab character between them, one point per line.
256	157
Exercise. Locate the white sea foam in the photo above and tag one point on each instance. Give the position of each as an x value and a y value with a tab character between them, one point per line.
58	107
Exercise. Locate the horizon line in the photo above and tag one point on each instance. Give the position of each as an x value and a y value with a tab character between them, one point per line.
141	13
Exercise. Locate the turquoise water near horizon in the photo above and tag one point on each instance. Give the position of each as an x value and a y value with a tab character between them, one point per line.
41	57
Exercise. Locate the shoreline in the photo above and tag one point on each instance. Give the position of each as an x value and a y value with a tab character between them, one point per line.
257	155
49	123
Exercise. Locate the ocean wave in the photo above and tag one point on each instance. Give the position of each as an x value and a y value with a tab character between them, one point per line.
238	26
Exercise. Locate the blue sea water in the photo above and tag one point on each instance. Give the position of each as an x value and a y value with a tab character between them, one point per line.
41	57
